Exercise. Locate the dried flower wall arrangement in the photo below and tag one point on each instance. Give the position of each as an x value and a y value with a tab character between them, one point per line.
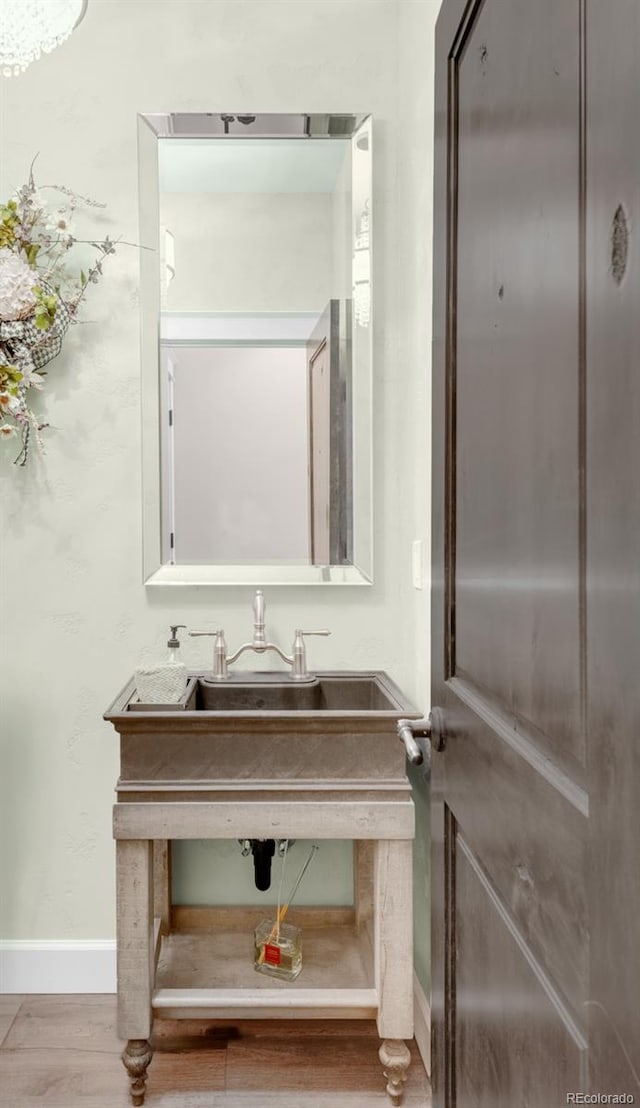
40	294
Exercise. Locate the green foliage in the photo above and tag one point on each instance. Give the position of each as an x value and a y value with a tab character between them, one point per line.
9	220
10	378
46	306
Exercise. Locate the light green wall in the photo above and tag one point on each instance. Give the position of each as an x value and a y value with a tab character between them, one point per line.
75	615
415	53
206	873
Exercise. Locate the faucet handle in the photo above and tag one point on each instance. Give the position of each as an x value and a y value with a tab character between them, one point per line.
220	669
300	653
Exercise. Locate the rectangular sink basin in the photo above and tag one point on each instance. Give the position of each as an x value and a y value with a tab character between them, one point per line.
320	694
264	727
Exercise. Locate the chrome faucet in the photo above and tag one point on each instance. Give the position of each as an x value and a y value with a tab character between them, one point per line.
298	658
259	642
259	608
219	651
259	645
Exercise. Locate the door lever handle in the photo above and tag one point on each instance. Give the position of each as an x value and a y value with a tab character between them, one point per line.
430	727
407	730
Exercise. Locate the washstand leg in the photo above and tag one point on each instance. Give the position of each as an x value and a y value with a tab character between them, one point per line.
135	958
393	958
395	1057
136	1057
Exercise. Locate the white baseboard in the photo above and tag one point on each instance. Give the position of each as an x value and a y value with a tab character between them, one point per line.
422	1023
58	967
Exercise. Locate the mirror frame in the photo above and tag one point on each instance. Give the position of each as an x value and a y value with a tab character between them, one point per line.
184	125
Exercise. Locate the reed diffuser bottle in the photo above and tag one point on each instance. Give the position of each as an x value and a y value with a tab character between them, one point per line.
278	945
278	950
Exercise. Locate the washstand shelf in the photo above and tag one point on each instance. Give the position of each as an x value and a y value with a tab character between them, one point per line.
260	756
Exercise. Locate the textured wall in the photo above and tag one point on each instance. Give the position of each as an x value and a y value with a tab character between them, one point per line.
416	22
251	252
74	615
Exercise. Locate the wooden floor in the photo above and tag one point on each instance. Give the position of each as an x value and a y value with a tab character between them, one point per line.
63	1052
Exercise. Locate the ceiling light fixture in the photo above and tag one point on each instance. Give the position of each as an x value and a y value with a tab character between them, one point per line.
29	28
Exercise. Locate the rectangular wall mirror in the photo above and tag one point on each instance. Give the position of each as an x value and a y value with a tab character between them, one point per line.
256	348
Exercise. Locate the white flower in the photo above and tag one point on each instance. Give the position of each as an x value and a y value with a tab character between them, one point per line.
31	379
16	286
7	430
57	219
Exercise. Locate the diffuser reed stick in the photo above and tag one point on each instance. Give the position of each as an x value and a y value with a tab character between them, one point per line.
283	911
281	882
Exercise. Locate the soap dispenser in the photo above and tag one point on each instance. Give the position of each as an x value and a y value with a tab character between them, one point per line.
165	681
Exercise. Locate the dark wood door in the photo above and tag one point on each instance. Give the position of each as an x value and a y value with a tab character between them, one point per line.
536	600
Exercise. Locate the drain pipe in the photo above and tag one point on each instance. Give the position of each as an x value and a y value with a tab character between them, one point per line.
263	851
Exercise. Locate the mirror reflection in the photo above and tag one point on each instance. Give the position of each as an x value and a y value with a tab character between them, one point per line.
262	293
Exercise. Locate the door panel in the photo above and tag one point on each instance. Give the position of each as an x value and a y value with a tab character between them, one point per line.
330	445
536	571
517	587
510	807
320	454
514	1023
528	835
